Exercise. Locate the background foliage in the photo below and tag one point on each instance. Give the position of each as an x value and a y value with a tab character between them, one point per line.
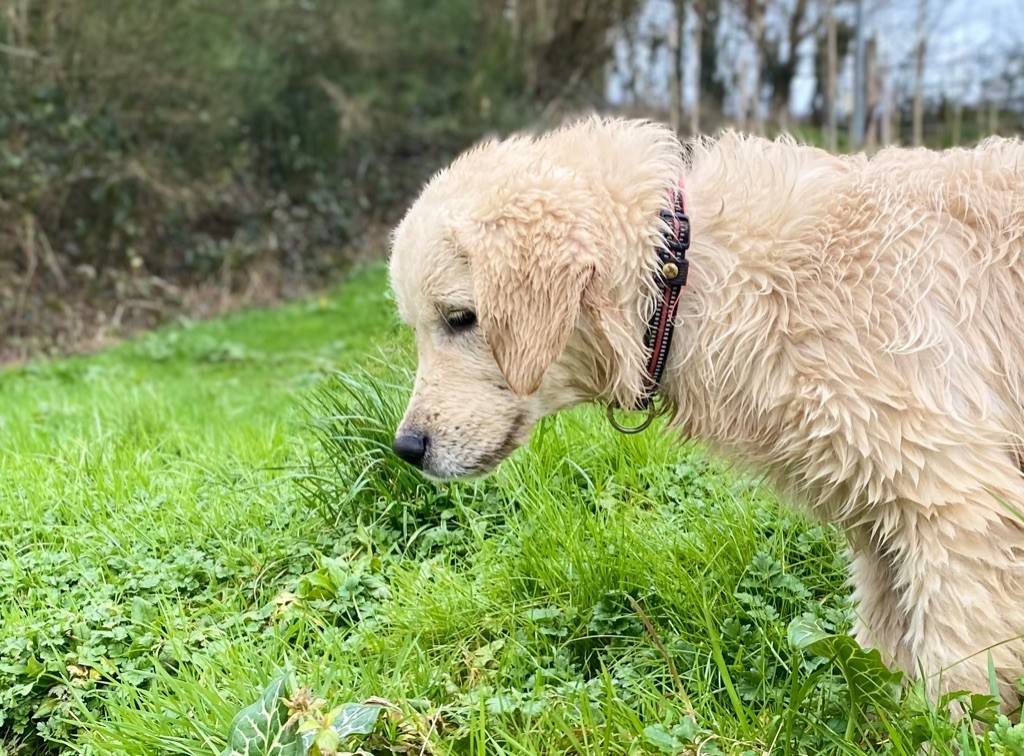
146	146
184	155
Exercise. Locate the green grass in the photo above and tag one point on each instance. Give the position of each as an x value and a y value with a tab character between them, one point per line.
185	516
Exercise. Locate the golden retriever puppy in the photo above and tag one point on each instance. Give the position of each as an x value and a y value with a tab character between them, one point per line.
852	327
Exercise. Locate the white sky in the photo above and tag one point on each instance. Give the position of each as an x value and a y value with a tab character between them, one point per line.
968	40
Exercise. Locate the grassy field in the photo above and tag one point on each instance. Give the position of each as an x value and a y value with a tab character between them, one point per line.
189	516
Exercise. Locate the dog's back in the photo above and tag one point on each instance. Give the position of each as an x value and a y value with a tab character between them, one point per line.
977	196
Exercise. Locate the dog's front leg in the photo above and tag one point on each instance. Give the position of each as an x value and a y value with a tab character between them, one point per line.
880	621
959	576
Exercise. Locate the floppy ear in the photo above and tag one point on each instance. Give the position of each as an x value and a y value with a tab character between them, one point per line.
534	265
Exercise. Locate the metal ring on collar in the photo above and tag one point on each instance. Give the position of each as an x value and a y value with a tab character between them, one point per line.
651	412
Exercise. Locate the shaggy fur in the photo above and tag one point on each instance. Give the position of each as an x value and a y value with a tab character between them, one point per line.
853	327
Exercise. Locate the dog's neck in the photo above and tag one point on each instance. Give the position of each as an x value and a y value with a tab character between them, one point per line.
726	371
704	372
753	214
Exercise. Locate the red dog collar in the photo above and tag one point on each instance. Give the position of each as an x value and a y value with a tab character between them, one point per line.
670	279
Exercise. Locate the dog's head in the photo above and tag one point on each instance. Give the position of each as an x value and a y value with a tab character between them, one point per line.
503	267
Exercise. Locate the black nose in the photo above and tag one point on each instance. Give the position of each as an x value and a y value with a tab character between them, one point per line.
411	446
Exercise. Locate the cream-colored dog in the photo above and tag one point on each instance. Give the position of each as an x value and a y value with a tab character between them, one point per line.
853	327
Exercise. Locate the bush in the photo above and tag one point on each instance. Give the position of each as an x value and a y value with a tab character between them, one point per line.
183	137
150	146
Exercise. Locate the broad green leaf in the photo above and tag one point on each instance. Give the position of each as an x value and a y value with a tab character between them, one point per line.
356	719
261	729
687	729
346	720
867	676
659	737
805	631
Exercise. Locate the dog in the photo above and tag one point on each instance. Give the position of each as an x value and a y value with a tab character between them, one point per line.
852	327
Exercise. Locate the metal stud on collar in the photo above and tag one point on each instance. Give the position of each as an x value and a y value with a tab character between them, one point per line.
629	430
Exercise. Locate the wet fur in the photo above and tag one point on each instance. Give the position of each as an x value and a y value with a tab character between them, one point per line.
853	328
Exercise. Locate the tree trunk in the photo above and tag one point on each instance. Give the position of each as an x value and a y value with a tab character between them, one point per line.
783	115
919	55
696	39
887	119
830	91
857	122
675	51
780	69
712	83
873	98
757	9
630	72
743	100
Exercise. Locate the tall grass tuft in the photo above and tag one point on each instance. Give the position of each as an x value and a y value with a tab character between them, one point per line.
359	486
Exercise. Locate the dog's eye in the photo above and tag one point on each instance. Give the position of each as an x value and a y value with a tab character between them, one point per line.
460	320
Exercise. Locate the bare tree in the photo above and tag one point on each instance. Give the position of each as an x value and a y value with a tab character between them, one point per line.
696	39
675	51
873	82
714	83
629	72
859	88
919	54
793	22
833	68
755	12
564	44
929	14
